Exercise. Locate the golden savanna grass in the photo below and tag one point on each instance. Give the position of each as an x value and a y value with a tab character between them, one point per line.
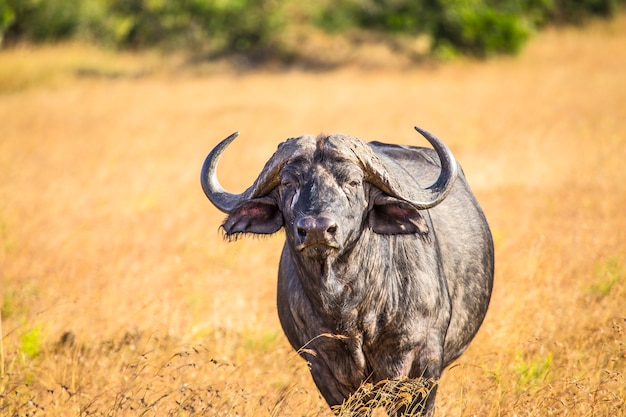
120	297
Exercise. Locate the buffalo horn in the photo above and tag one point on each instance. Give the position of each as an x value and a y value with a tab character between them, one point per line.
267	180
385	173
211	186
437	192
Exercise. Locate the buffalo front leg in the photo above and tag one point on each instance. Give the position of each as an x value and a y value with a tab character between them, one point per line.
336	382
425	374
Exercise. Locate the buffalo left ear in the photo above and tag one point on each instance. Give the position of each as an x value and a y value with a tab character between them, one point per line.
259	215
391	216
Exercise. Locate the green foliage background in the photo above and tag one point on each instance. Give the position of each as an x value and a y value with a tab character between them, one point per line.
258	27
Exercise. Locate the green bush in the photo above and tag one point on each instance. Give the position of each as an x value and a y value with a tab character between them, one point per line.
577	11
43	20
336	16
7	16
396	16
469	26
256	27
247	26
477	29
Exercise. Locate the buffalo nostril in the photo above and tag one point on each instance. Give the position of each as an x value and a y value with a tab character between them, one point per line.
326	226
316	229
304	226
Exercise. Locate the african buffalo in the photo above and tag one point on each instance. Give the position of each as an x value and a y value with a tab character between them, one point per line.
387	268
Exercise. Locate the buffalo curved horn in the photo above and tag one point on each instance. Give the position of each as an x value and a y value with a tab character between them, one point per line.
438	191
384	172
267	180
211	186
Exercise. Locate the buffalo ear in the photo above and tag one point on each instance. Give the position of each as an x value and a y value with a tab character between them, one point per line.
259	215
391	216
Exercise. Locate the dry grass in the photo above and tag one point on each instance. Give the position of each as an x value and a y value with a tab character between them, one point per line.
119	296
394	397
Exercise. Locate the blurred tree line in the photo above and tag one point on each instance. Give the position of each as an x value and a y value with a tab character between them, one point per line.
258	27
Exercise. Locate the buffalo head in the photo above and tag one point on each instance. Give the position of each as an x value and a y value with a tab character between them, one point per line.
324	190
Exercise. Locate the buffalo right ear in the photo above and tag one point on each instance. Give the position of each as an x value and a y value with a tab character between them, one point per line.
259	215
392	216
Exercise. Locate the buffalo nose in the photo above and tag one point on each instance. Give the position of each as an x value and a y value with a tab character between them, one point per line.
316	229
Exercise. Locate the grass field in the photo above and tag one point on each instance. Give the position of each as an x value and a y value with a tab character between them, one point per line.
120	297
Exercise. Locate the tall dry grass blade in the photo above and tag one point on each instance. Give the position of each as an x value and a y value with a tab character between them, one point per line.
1	348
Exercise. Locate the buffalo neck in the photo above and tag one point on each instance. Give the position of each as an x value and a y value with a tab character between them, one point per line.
359	288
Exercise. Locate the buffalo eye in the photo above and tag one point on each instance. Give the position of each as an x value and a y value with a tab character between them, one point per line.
351	185
288	181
